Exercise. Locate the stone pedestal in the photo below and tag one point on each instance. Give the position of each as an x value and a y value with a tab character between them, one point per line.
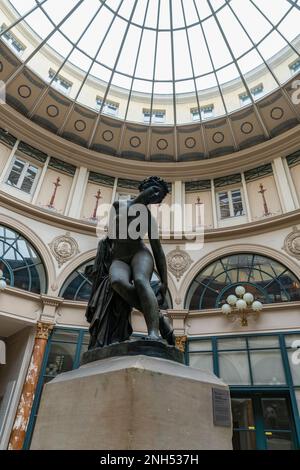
131	403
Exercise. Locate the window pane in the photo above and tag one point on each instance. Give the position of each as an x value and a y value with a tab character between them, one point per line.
237	203
203	361
65	336
290	340
279	441
264	342
61	358
276	413
234	368
244	440
232	343
224	205
200	345
15	173
294	360
267	367
242	413
29	178
85	344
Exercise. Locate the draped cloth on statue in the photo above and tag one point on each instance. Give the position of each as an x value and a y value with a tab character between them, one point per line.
107	313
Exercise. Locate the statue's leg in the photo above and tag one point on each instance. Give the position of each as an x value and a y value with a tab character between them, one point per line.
142	269
120	277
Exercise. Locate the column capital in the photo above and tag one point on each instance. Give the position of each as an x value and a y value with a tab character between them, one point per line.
178	314
43	330
180	342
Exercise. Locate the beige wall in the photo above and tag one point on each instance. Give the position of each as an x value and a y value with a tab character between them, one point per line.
206	200
271	195
89	200
63	191
4	155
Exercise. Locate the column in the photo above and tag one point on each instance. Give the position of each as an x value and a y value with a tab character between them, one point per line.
77	193
246	198
9	160
178	208
19	429
291	183
283	187
40	183
114	191
213	204
178	322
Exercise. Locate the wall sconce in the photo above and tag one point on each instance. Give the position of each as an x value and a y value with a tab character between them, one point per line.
241	305
3	284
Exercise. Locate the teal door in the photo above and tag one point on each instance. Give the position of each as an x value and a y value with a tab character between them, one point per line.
262	421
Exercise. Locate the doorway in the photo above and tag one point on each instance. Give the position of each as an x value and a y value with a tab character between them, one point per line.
262	421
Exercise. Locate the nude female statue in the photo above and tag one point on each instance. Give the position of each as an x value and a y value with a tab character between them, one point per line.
132	262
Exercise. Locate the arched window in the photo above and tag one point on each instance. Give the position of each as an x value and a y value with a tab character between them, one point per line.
21	264
268	280
78	285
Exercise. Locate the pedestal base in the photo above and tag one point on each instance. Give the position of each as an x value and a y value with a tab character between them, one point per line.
131	403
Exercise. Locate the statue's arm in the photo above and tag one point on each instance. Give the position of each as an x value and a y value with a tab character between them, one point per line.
158	253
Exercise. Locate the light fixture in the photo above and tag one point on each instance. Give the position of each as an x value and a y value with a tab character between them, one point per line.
3	284
241	305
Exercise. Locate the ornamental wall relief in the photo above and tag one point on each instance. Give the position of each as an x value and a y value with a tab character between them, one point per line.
63	248
292	243
178	262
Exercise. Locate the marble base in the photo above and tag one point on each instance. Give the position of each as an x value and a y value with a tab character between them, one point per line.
131	403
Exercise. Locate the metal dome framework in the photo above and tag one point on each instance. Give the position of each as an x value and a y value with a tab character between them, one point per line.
212	46
163	48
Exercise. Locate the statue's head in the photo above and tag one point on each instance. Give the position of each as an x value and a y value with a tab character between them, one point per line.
154	190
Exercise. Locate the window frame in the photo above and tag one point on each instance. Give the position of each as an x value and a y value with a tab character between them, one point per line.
27	164
231	205
106	108
57	82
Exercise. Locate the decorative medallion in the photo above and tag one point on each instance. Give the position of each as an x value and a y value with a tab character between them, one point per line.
277	113
247	127
52	111
292	243
218	137
178	262
63	248
135	141
162	144
80	125
24	91
190	142
107	136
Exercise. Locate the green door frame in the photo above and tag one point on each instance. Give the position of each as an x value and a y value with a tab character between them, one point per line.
256	395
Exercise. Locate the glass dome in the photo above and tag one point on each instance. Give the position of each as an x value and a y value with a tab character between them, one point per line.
162	61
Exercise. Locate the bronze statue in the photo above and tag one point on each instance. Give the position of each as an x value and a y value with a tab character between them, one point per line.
123	269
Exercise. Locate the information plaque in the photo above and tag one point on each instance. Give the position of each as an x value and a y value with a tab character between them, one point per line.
221	407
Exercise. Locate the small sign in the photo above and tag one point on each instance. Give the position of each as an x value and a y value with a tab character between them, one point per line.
221	407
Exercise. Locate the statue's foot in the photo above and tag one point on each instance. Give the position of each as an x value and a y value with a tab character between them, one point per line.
153	337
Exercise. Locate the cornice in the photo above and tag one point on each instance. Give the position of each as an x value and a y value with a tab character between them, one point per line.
72	225
33	134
